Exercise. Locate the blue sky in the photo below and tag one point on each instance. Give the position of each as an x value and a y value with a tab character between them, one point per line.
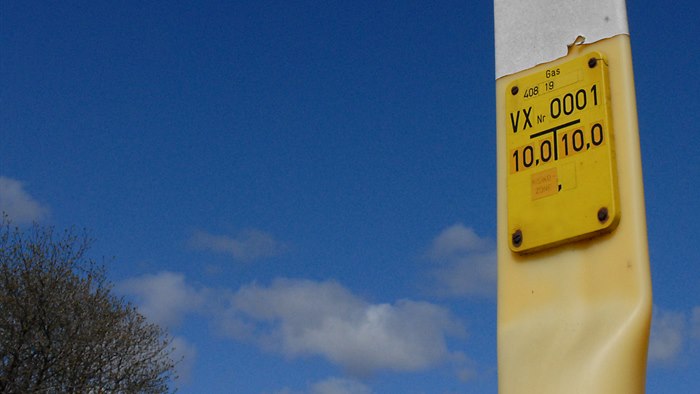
304	192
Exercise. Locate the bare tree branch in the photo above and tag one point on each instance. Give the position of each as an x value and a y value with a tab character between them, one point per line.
61	329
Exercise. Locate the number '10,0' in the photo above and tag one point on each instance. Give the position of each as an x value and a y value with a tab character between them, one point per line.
577	140
571	142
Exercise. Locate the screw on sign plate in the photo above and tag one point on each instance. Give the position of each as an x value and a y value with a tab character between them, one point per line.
603	215
517	238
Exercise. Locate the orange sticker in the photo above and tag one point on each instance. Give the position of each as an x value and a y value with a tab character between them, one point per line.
544	183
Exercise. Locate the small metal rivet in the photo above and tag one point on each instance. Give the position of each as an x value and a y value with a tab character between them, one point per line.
514	90
592	62
517	238
603	215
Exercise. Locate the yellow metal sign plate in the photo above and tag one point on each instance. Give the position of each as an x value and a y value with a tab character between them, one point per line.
561	172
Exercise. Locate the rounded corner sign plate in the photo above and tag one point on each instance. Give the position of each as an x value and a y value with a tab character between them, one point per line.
561	174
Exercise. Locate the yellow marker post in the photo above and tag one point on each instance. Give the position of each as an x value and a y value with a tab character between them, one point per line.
574	288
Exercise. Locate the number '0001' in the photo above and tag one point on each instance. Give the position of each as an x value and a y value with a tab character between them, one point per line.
572	102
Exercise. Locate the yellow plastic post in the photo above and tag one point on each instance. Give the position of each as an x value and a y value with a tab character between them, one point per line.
574	306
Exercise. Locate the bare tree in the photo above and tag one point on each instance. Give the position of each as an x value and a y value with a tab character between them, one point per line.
61	329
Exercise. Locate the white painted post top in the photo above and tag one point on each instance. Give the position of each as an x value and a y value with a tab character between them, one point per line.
532	32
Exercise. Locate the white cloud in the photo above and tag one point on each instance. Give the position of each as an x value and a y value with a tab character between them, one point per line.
286	390
667	335
163	298
695	323
186	353
340	386
17	203
472	275
455	241
332	386
465	263
466	368
302	317
249	245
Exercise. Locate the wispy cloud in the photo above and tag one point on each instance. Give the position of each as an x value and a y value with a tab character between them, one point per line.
302	317
671	331
186	353
247	246
339	386
456	241
695	323
467	369
465	263
19	205
299	318
667	335
332	386
163	298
